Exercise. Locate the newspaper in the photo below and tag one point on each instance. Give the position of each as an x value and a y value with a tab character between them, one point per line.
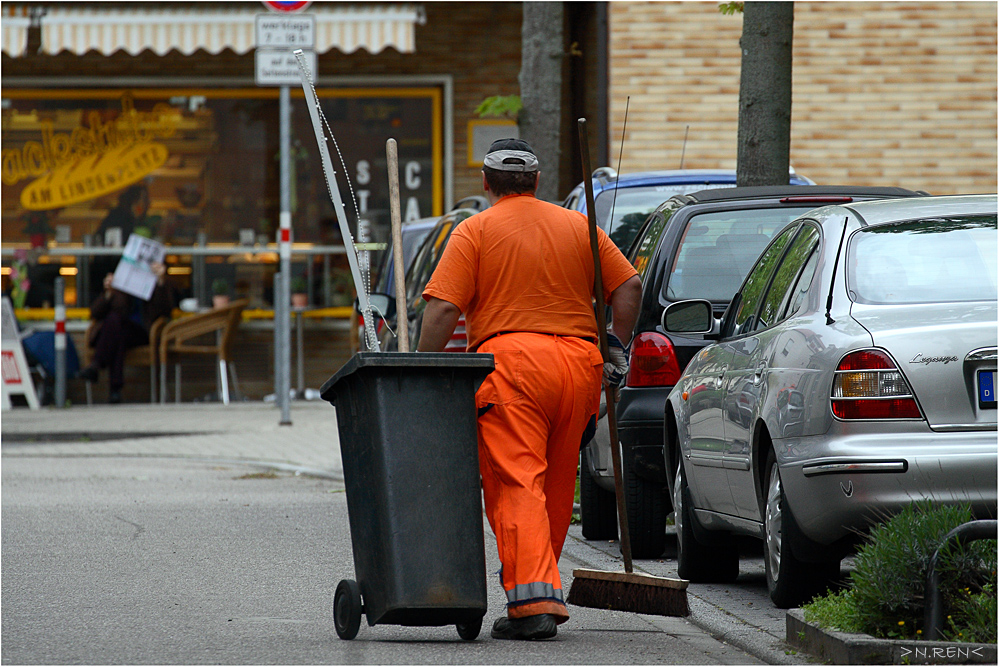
134	275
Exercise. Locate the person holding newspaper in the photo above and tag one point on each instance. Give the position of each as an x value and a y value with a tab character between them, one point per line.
125	322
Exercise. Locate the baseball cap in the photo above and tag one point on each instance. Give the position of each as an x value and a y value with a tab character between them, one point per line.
511	155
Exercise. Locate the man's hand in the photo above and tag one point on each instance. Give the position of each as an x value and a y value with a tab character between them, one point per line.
616	367
159	270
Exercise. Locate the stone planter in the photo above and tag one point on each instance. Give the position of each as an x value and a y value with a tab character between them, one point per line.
842	648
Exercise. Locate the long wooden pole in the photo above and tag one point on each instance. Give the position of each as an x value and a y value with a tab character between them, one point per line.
399	267
598	292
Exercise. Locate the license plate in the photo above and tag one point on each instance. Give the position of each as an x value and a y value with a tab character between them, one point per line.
987	389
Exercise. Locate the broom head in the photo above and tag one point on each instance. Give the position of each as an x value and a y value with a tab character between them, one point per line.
627	591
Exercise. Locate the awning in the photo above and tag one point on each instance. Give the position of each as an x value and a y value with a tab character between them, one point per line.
14	24
213	27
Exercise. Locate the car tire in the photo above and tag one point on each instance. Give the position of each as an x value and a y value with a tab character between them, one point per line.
698	562
791	582
647	507
597	506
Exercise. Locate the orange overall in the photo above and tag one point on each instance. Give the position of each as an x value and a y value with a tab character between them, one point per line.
522	272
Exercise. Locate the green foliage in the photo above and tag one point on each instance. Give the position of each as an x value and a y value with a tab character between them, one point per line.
729	8
503	106
220	286
885	597
836	611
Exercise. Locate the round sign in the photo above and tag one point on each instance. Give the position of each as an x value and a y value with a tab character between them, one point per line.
287	6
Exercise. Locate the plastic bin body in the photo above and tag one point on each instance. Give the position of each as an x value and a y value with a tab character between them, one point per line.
408	440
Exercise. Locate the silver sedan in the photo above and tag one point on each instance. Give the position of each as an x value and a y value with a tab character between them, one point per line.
853	374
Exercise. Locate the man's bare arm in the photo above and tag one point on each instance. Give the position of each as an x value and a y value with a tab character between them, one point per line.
439	320
625	303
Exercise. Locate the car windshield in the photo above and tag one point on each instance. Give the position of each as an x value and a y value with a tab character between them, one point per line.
924	261
718	249
633	206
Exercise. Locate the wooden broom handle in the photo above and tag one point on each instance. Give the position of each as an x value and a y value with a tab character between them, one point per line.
598	292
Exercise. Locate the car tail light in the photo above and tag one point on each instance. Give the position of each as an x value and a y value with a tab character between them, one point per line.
868	385
653	362
816	199
459	338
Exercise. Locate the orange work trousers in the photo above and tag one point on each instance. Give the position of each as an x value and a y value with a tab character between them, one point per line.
533	410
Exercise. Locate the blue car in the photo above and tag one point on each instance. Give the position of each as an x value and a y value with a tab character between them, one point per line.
632	197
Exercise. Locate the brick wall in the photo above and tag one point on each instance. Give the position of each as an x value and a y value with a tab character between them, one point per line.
886	93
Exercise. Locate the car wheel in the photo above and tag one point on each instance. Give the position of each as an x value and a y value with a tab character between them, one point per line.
790	581
699	562
647	508
597	506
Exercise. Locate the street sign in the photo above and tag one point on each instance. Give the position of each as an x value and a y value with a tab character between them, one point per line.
287	6
278	67
276	31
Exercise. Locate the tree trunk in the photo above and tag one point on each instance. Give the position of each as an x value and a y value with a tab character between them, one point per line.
541	89
765	94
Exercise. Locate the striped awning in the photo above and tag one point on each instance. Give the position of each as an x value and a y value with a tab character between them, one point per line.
163	27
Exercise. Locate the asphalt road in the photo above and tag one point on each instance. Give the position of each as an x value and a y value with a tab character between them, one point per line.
155	561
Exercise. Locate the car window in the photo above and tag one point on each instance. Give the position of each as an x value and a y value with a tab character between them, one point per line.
801	287
426	258
646	245
632	206
924	261
784	277
756	283
718	248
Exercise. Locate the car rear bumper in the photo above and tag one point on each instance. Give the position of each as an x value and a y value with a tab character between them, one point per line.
836	487
640	429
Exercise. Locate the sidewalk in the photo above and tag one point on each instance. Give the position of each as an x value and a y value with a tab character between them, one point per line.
246	432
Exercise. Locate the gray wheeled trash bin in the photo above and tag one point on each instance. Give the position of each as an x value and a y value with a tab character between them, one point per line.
408	440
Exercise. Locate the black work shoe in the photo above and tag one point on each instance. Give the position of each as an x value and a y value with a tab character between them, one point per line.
89	374
539	626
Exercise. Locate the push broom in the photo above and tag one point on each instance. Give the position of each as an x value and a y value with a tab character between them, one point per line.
628	590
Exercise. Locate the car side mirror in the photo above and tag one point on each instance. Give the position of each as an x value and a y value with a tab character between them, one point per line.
689	317
381	304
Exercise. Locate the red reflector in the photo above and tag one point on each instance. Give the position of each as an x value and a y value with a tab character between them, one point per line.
866	360
653	362
816	199
873	408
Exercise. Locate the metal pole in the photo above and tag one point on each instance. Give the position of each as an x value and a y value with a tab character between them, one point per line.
198	287
83	275
60	343
283	297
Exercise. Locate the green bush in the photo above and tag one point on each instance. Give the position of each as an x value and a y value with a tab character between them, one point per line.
885	593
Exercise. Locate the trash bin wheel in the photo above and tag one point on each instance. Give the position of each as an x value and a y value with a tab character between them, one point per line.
469	631
347	609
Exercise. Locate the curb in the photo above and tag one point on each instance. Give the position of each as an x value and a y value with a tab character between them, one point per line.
842	648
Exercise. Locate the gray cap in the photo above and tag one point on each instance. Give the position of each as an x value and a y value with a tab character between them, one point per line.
511	155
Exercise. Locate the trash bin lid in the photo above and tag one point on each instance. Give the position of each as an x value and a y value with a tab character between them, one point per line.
408	360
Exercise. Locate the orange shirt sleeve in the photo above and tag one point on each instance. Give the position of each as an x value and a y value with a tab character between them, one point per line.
453	279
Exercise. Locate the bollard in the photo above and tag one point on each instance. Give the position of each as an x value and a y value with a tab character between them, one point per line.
966	532
60	343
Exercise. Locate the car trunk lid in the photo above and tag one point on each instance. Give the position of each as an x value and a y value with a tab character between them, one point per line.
947	353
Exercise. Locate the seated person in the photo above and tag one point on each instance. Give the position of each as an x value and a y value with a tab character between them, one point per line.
125	323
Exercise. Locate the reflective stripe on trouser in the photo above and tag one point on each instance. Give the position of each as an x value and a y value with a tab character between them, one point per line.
533	410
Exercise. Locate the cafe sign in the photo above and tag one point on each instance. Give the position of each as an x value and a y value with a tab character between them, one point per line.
92	160
92	177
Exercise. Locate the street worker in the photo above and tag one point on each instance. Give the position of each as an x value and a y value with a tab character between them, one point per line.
522	272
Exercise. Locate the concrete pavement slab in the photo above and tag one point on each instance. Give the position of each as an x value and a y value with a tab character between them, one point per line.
248	432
